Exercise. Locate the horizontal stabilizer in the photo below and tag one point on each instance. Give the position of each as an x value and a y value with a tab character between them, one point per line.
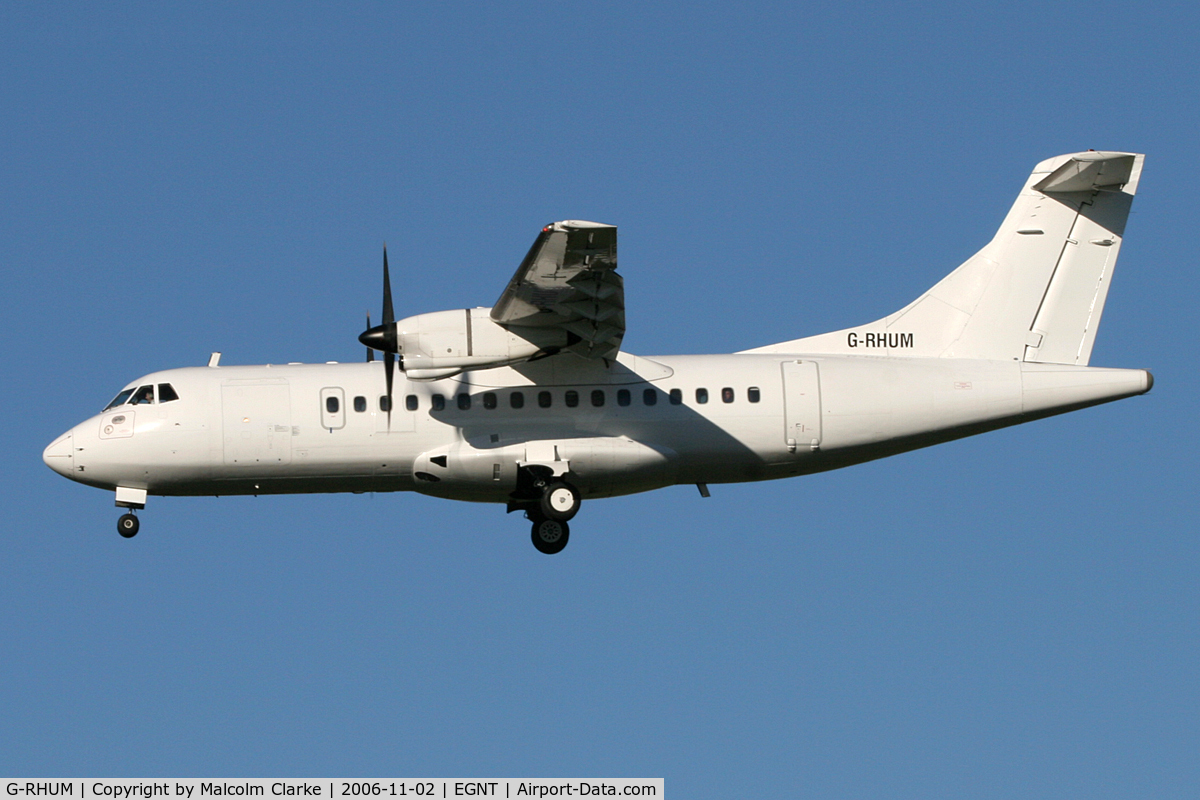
1085	172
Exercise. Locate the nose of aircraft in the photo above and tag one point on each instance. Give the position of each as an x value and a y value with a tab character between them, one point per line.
59	455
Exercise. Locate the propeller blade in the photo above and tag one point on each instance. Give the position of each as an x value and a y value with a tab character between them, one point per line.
370	352
383	337
389	316
390	360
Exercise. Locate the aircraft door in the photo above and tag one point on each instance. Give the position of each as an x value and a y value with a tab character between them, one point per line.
333	408
801	406
256	422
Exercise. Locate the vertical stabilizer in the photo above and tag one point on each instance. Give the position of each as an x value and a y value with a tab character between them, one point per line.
1034	293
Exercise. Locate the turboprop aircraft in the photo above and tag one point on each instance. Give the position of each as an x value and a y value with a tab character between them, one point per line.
532	404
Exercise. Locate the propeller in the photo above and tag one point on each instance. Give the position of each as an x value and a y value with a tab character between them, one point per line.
370	352
383	337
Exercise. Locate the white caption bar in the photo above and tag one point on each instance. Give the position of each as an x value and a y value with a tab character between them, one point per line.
358	788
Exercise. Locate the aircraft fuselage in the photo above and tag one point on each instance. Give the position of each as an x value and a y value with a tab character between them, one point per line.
628	426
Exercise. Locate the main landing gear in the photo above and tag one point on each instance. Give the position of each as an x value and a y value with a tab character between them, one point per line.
550	536
549	503
559	501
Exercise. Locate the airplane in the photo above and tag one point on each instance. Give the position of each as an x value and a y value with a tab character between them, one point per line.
532	403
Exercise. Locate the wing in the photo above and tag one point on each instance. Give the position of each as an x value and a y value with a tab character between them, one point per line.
569	281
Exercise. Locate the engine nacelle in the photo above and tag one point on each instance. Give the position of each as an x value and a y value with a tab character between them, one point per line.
445	343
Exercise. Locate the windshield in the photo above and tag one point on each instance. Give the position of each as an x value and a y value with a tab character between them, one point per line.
119	399
144	394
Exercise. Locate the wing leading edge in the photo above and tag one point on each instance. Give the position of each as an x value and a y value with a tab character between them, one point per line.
569	280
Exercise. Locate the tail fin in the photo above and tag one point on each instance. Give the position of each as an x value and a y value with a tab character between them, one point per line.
1034	293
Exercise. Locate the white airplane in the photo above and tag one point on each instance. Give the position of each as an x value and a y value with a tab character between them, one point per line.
531	403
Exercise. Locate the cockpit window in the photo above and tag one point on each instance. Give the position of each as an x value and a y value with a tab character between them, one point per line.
166	393
144	394
119	399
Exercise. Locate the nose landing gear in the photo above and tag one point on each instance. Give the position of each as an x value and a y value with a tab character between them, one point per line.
128	525
130	498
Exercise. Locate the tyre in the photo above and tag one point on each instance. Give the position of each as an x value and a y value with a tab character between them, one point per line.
128	526
550	536
560	501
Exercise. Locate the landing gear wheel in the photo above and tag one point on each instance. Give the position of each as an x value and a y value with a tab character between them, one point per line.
560	501
550	535
127	526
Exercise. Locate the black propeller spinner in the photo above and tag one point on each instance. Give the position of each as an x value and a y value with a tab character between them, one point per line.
383	337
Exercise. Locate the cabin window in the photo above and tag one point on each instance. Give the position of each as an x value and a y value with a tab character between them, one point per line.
360	404
411	402
331	404
623	398
649	396
144	394
676	397
702	396
597	397
516	400
166	393
438	402
571	398
753	395
489	400
119	399
545	399
727	395
464	401
385	403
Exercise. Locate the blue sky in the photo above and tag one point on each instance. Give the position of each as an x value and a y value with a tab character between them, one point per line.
1009	615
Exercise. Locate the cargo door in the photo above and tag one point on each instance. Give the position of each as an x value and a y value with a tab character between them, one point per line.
801	406
256	423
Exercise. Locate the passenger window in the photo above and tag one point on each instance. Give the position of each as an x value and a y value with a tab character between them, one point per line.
597	397
464	401
144	394
516	400
649	396
119	399
702	395
545	399
727	395
676	397
385	403
411	402
438	402
489	400
571	398
360	404
331	404
752	394
166	393
623	398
